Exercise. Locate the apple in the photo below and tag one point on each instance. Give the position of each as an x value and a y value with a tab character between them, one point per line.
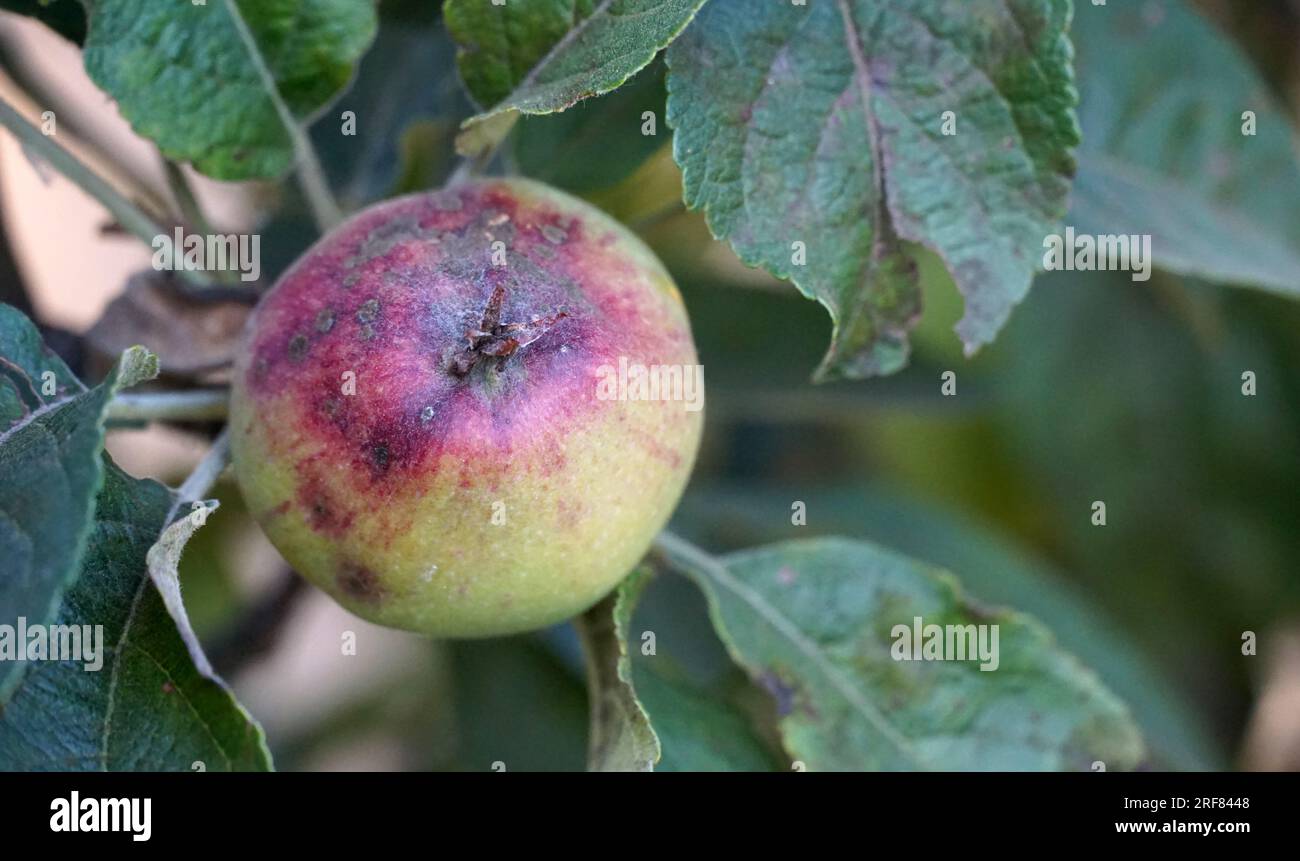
467	413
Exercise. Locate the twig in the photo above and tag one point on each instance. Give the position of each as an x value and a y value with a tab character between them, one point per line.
191	406
187	205
133	219
254	633
190	213
324	209
205	475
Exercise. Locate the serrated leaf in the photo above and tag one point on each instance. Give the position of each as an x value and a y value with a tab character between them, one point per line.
51	437
1163	95
823	124
813	621
545	56
147	708
620	737
182	77
993	567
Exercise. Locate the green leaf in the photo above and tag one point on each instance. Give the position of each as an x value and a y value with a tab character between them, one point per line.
147	708
823	124
162	562
28	370
813	621
51	436
65	17
182	77
703	708
544	56
620	738
992	566
1163	95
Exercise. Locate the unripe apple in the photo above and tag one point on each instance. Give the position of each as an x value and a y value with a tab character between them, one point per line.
442	415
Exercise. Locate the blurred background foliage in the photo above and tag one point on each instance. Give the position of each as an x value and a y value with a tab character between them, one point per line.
1099	389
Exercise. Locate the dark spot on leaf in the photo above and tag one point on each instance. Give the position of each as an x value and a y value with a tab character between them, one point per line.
297	346
324	320
380	455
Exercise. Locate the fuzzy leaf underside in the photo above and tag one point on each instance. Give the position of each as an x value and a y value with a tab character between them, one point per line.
812	621
182	77
823	125
163	564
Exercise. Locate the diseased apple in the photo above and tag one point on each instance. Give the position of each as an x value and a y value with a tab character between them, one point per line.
432	417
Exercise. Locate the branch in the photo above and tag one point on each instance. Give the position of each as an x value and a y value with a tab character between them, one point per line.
192	406
133	219
254	633
205	475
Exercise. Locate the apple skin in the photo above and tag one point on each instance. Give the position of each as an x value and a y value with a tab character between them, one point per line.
498	501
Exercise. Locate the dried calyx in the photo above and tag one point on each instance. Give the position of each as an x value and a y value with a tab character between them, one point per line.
499	340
